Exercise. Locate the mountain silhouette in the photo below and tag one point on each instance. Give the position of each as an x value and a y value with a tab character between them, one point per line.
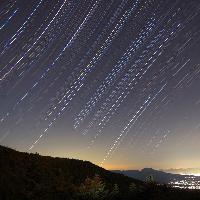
25	176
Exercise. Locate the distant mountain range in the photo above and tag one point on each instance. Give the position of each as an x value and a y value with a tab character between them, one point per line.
182	171
163	177
159	176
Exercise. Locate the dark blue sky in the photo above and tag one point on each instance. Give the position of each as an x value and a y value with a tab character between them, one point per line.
114	82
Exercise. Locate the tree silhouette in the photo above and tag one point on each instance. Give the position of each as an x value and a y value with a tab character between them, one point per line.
93	188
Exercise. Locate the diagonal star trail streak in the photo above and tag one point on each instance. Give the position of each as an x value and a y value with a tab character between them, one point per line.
19	31
131	123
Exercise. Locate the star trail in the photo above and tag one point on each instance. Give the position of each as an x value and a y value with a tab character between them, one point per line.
114	82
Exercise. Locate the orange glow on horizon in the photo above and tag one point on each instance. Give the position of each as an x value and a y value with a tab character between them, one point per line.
117	167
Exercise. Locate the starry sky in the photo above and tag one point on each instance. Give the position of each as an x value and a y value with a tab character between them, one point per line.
115	82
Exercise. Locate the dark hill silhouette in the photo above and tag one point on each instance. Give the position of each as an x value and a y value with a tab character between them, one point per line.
25	172
26	176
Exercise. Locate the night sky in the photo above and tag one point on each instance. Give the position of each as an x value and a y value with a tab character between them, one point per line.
115	82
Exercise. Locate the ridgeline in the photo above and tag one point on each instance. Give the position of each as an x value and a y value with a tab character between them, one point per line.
25	176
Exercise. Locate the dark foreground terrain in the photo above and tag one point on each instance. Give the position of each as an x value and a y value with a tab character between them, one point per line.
31	176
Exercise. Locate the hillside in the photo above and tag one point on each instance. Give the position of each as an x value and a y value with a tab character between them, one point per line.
31	176
23	173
